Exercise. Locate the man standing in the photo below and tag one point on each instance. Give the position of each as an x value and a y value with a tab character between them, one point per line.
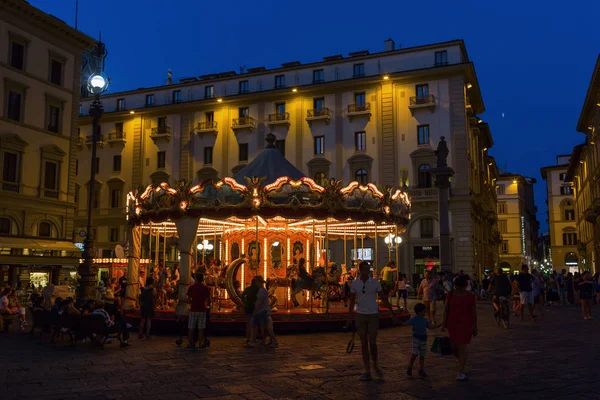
365	289
123	288
503	288
525	280
427	289
200	298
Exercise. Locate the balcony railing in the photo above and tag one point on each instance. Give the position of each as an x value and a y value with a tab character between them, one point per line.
116	136
11	186
279	117
89	139
161	131
423	193
244	122
422	100
359	108
80	141
318	112
206	126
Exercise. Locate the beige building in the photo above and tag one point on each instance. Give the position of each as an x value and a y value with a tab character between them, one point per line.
517	222
584	173
561	215
39	68
367	117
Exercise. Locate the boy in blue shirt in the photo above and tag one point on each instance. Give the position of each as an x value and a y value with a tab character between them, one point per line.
420	325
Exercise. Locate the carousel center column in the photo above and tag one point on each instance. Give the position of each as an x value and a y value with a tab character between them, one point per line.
133	267
187	229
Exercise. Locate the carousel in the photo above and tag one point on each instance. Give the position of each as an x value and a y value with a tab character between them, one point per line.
269	220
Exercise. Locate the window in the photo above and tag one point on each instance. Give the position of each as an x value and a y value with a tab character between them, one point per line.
360	99
360	141
209	116
502	208
424	178
566	190
17	55
56	71
501	188
149	100
319	144
120	104
114	234
569	239
5	226
76	167
279	81
117	163
280	109
426	228
80	113
14	106
505	247
359	70
562	176
209	92
96	198
422	90
115	198
320	178
208	155
423	134
569	215
97	165
280	144
161	158
243	152
441	58
119	127
176	96
162	125
502	226
53	118
44	230
51	179
361	176
318	76
10	172
243	112
244	87
319	103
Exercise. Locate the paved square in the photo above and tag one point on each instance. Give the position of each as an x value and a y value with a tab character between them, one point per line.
554	358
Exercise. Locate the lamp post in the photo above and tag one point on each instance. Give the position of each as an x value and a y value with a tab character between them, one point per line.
205	246
97	84
392	240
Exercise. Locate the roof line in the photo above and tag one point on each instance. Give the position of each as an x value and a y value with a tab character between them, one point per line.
589	101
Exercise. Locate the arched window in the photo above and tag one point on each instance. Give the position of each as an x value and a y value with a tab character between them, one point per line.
568	211
361	176
426	228
5	226
424	176
320	178
45	230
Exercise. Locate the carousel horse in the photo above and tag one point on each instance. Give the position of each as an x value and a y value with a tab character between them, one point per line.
315	283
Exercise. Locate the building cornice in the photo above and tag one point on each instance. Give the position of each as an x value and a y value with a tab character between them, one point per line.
592	99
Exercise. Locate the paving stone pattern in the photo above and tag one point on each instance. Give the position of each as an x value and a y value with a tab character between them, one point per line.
553	358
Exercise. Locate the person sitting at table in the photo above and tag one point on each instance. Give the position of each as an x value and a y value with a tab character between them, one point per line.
111	325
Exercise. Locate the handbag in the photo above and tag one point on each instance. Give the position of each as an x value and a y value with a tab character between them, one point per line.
435	346
441	346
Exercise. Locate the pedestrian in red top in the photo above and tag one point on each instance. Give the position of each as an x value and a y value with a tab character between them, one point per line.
460	318
200	300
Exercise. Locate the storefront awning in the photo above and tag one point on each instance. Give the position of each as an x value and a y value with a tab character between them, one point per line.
37	244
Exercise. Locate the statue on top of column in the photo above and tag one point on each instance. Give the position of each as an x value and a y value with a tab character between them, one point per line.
442	153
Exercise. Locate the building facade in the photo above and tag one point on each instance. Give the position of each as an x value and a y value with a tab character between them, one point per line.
517	222
562	225
584	174
39	68
365	117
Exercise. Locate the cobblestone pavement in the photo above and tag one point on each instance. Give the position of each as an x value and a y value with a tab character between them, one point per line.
553	358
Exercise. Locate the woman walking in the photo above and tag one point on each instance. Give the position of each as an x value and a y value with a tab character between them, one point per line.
586	293
460	318
553	297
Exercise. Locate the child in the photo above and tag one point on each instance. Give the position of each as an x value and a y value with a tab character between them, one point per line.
419	338
147	306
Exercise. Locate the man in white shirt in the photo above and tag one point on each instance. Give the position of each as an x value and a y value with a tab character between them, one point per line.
364	292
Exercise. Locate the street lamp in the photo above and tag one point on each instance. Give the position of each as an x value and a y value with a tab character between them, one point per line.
204	247
392	240
97	84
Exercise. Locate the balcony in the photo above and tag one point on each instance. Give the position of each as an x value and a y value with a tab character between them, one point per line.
161	133
80	141
417	102
423	194
359	110
116	138
318	114
206	127
89	140
242	123
279	119
8	186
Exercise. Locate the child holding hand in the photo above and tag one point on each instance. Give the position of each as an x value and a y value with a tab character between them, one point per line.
420	325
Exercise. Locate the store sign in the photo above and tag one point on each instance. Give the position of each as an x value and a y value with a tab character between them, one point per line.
426	251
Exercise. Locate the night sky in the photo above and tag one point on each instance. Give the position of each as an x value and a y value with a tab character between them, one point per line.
533	58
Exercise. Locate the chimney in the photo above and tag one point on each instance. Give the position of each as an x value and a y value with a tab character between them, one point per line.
390	45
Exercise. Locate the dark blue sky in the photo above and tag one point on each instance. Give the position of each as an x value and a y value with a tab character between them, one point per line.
534	58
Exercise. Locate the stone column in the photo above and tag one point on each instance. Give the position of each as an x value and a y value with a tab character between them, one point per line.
134	236
186	229
442	174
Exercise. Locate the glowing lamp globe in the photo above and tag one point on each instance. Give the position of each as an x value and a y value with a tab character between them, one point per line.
98	83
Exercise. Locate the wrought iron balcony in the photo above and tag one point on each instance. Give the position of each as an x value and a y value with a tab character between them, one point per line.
279	118
243	123
116	137
316	114
161	133
422	102
206	126
359	109
11	186
89	140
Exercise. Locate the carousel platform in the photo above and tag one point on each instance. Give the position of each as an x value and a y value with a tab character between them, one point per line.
232	322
